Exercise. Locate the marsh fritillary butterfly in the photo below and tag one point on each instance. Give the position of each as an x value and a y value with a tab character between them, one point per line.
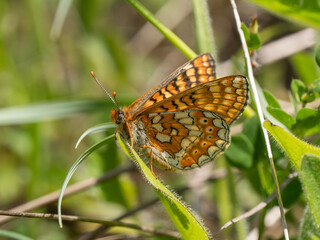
184	121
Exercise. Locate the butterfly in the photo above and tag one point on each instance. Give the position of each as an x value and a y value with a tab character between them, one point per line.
184	121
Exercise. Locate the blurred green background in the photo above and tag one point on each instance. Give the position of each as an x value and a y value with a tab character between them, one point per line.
45	61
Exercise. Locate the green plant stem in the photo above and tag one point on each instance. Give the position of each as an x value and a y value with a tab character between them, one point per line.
203	27
260	114
240	227
173	38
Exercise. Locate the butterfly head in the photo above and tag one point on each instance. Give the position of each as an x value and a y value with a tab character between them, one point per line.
118	116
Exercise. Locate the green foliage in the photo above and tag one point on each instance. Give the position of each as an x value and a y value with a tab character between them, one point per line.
74	168
48	98
306	159
310	167
305	67
203	27
317	57
240	152
275	110
189	226
294	147
302	12
308	229
252	37
307	122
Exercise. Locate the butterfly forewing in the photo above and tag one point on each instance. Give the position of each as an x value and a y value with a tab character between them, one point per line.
197	71
226	97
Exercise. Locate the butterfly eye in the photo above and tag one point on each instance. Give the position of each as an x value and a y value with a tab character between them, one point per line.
121	116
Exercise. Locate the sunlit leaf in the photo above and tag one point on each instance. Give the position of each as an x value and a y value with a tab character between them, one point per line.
305	12
308	122
189	226
294	147
283	117
310	178
271	100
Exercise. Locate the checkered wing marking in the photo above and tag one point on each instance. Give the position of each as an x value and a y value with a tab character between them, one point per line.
187	139
226	97
198	70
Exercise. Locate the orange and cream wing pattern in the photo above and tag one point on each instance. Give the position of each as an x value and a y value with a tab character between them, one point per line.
196	71
225	97
186	139
184	121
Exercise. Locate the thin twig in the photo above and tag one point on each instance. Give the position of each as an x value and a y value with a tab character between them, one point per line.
217	174
52	197
260	206
260	114
71	218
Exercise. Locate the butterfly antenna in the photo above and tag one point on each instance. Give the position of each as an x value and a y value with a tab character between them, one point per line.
114	94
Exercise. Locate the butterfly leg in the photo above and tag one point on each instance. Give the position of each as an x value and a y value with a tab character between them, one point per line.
131	138
151	168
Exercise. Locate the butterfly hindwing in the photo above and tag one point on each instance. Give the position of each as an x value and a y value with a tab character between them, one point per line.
186	139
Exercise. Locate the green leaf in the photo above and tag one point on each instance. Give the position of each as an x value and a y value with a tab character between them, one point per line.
271	100
315	88
245	32
298	88
255	41
305	12
317	55
264	105
305	66
294	147
285	118
13	235
74	168
241	151
47	111
308	230
310	178
308	122
98	128
174	39
185	221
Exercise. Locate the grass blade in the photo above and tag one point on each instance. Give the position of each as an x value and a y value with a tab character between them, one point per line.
74	168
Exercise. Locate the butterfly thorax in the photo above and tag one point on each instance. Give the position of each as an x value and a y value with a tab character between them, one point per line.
132	129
